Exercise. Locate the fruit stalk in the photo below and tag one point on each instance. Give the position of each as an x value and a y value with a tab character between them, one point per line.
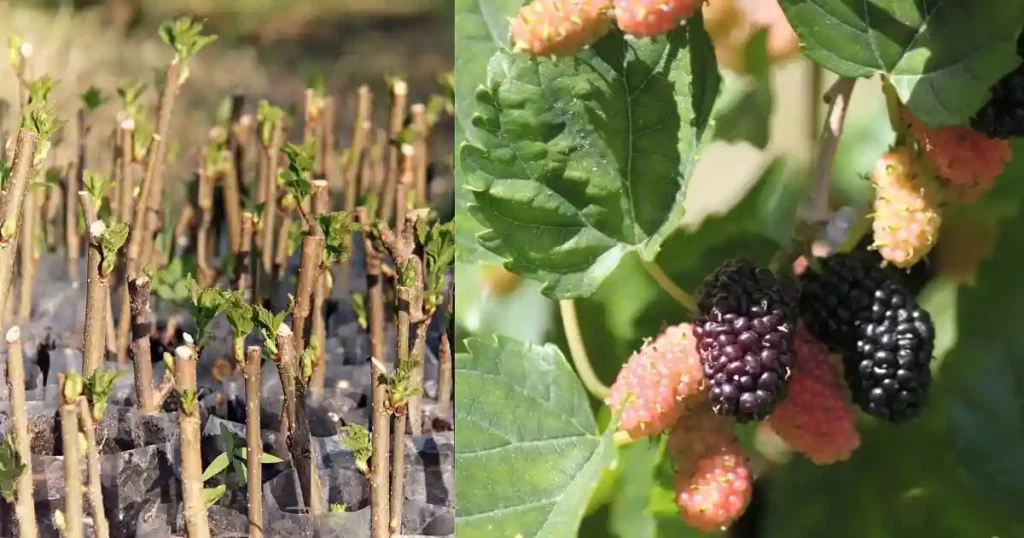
253	441
11	200
379	484
196	521
27	254
243	262
69	395
92	461
97	292
24	507
318	325
72	237
399	95
838	99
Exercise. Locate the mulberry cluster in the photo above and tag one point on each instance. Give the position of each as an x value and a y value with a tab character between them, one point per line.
712	481
646	18
1003	115
885	338
815	418
745	336
654	386
560	27
907	218
970	161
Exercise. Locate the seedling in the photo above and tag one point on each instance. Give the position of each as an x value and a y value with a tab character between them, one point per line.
357	439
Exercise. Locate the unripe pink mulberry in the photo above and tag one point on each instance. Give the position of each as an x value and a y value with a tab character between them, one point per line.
646	18
816	418
698	433
969	160
906	209
654	385
716	491
560	27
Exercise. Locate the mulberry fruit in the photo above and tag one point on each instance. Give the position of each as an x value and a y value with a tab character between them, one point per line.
1003	115
913	278
907	219
815	417
968	160
886	339
655	385
645	18
716	490
744	336
698	433
560	27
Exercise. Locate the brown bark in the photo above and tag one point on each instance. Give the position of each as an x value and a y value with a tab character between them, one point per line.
73	525
405	184
281	255
204	234
286	368
72	237
182	229
296	429
420	159
243	260
380	440
97	295
328	156
444	370
360	132
318	324
196	521
253	441
233	207
125	212
51	211
149	401
309	274
157	154
268	176
238	136
399	94
11	200
101	529
24	507
27	255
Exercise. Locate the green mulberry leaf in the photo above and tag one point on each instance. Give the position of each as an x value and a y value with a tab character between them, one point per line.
584	160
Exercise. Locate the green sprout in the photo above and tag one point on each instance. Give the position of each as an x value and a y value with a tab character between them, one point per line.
439	249
188	400
401	387
131	98
96	185
185	36
16	51
235	305
5	174
110	241
93	98
39	116
335	508
11	467
97	389
170	281
308	359
205	305
357	439
301	160
73	386
233	456
267	116
359	305
268	323
337	227
316	82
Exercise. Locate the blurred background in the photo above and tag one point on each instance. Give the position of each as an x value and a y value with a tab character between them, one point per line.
918	479
266	49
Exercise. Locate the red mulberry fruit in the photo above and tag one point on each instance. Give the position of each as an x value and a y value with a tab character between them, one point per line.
969	160
716	490
645	18
560	27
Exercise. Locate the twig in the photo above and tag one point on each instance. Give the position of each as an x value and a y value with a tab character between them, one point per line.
253	440
204	239
318	324
838	99
232	204
380	435
148	401
309	274
578	351
360	129
399	94
196	521
92	461
11	201
24	507
27	254
269	158
444	370
670	287
421	159
243	259
157	155
97	294
73	527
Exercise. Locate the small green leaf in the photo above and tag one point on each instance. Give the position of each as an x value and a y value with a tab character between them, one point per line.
315	81
267	322
301	160
308	359
39	90
185	36
357	439
205	305
267	116
11	467
188	400
562	211
168	362
93	98
97	389
112	239
910	43
439	247
212	495
216	466
238	310
131	99
335	508
538	478
338	228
